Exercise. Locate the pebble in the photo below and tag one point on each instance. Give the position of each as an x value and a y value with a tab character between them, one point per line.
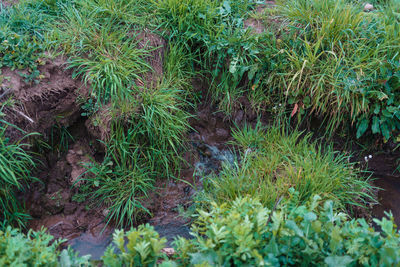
368	7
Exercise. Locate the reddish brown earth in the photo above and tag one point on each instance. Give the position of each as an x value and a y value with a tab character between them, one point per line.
40	106
387	178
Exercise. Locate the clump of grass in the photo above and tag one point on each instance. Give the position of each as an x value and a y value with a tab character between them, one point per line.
121	182
131	12
273	161
147	138
160	125
341	64
16	165
113	63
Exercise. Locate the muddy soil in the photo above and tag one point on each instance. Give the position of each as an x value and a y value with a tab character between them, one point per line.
52	203
383	166
40	105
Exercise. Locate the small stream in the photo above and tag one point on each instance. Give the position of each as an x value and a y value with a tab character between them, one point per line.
210	159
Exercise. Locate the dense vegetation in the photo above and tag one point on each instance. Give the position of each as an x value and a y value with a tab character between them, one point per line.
15	171
243	232
273	161
286	200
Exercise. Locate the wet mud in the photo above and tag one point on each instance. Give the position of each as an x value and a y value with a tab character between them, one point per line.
387	178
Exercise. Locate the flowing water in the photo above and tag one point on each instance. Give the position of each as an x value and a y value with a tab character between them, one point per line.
95	243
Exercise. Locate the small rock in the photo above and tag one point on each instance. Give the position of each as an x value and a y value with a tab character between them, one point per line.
106	212
168	251
368	7
54	203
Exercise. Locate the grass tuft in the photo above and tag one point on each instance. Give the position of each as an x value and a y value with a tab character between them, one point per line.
273	161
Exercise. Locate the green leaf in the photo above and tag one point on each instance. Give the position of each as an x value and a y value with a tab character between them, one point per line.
375	125
338	261
362	127
168	264
307	100
204	257
310	216
386	113
385	130
377	108
65	260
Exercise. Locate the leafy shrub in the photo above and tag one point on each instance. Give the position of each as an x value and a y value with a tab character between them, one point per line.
143	248
272	161
35	249
341	64
245	233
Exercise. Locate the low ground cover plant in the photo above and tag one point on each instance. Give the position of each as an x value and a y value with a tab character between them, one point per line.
236	233
35	249
137	247
245	232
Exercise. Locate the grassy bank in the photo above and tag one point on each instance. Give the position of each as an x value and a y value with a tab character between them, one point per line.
323	61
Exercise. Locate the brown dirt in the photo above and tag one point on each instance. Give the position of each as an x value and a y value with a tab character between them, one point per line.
157	47
38	107
383	166
51	204
258	26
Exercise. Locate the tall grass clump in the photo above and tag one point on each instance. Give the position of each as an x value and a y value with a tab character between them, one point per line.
148	130
121	181
215	34
341	64
124	12
113	65
16	165
273	160
102	46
